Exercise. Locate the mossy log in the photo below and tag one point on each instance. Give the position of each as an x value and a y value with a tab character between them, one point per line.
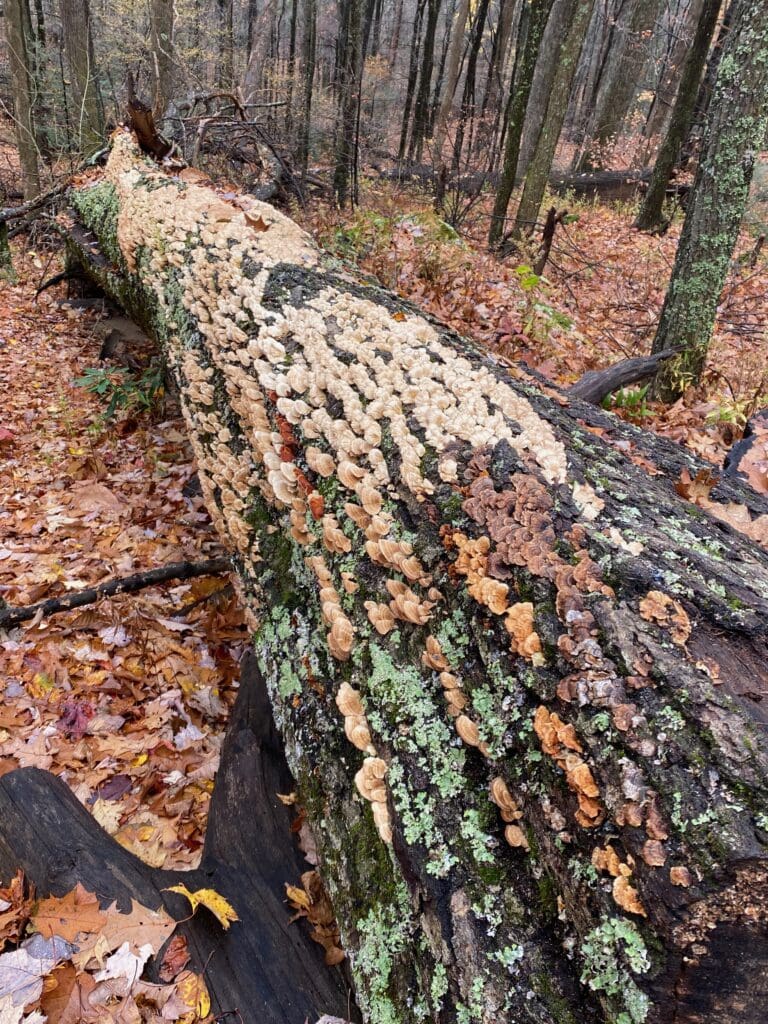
520	679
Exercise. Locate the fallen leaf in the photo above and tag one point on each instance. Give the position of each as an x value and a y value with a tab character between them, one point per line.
69	916
210	899
175	958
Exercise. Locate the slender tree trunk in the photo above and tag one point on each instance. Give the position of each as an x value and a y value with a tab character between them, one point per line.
345	173
20	59
397	25
291	68
517	675
529	36
736	127
161	43
226	72
680	34
543	77
620	85
88	109
495	80
309	50
453	63
253	17
413	70
651	212
421	110
468	104
566	62
438	86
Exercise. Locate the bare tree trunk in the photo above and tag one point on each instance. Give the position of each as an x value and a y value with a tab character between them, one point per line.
518	676
161	43
543	77
345	172
226	29
529	36
736	127
413	70
20	59
468	99
309	50
453	63
620	86
566	61
651	213
88	109
421	111
706	88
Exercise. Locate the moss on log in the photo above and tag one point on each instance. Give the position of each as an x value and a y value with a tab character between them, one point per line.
520	678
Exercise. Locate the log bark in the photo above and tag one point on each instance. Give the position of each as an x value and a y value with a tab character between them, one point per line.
520	678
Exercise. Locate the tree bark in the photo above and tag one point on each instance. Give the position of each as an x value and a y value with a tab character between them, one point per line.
453	63
20	60
345	172
464	586
651	213
309	40
161	43
566	62
620	84
88	109
421	107
736	127
530	32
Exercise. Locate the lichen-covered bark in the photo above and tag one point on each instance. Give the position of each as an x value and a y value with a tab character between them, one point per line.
736	128
518	676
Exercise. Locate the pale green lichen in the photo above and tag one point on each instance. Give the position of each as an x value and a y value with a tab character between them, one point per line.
605	950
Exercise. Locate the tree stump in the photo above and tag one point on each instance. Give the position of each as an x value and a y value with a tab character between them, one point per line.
519	672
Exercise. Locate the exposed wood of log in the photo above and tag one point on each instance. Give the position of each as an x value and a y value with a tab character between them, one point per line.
10	616
520	679
263	970
595	385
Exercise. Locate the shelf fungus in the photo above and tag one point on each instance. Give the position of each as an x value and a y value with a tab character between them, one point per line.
510	813
524	638
607	860
342	632
371	786
355	723
559	741
667	612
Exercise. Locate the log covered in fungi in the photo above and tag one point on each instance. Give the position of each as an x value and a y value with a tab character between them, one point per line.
519	677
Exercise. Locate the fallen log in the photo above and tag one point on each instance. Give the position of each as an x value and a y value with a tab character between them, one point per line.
263	970
520	679
595	385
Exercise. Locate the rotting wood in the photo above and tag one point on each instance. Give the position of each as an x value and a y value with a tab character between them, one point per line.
595	385
555	666
263	970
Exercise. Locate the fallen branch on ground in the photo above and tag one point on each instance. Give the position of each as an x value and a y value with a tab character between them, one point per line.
127	585
595	385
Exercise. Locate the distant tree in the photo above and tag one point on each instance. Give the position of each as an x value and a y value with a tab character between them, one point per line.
226	75
453	64
161	45
468	104
18	37
530	32
422	108
651	214
309	40
413	71
88	110
735	132
566	61
345	172
621	79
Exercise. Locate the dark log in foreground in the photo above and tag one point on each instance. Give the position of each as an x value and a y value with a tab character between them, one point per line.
125	585
263	970
520	679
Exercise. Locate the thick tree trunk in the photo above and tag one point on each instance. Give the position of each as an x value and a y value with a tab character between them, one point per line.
738	119
87	106
651	213
519	678
541	161
20	61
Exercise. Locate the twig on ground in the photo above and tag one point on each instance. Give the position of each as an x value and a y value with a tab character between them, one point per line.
127	585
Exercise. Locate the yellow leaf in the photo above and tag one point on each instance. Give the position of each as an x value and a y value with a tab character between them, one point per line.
139	760
298	896
190	987
209	898
399	316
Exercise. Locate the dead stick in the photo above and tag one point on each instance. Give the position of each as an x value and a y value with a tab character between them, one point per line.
126	585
